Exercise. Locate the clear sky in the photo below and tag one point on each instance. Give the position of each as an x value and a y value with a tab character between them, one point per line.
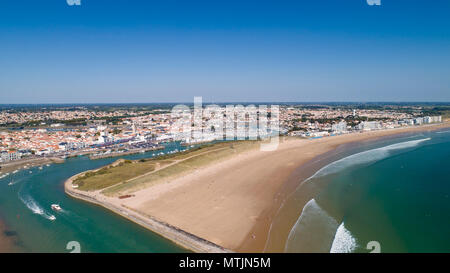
170	51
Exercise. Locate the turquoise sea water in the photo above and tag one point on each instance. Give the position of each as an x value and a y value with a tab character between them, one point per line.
25	209
395	193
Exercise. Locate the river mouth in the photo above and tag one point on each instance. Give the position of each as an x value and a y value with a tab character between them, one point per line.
27	203
26	199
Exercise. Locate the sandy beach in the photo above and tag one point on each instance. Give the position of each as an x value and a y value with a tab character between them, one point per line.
228	206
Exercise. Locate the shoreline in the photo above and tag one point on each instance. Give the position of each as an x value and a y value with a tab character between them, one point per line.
130	152
254	230
175	235
33	162
10	166
308	169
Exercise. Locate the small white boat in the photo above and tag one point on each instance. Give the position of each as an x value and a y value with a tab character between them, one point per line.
56	207
40	168
52	218
10	183
48	165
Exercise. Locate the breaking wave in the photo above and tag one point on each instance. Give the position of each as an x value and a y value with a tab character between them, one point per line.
343	242
314	229
365	157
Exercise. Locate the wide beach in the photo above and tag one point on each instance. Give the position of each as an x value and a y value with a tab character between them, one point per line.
228	205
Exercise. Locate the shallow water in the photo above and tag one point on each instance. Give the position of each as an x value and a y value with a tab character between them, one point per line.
394	193
25	209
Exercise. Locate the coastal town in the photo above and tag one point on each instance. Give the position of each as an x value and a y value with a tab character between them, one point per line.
79	130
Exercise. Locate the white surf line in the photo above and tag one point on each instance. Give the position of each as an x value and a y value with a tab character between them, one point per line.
364	157
344	241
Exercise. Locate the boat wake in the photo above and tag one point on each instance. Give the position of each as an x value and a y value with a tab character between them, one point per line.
31	204
365	157
12	183
343	242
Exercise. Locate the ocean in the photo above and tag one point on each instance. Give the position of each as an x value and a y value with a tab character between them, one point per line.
25	210
391	195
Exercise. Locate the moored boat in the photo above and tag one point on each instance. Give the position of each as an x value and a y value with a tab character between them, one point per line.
56	207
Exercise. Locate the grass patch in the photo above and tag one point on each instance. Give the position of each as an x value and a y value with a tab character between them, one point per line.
126	176
184	163
111	175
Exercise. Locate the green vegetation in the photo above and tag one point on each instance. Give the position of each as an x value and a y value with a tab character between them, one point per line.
127	176
443	111
113	174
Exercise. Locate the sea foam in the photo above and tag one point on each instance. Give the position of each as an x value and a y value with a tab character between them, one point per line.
365	157
335	237
313	232
343	242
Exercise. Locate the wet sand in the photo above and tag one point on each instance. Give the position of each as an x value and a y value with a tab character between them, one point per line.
232	204
7	240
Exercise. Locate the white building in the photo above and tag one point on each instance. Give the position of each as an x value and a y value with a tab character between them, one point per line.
339	128
433	119
4	156
10	155
369	125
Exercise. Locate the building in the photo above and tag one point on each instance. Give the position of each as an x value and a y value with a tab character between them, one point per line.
339	128
4	156
369	125
433	119
10	156
14	155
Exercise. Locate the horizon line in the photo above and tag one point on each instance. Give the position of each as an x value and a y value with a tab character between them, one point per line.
223	102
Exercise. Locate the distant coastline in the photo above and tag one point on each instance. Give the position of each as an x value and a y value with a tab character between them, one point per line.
250	224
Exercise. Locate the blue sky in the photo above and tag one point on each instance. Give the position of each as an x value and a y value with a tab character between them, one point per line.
171	51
